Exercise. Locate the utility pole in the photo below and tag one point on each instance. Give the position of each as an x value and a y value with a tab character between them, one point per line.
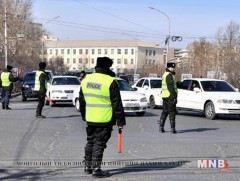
5	34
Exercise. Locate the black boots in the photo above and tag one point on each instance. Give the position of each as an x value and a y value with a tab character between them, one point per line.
161	129
161	125
40	116
5	107
173	130
97	172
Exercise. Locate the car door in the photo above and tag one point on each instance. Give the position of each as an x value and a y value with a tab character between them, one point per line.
183	100
194	97
139	86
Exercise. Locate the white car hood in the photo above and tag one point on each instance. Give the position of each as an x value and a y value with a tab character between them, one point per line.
226	95
131	95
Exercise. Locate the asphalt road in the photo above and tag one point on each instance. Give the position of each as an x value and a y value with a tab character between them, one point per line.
53	148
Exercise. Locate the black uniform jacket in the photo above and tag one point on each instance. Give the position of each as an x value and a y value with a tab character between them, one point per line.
43	79
115	97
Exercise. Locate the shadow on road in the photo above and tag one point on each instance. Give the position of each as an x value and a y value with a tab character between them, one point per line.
37	174
70	116
197	130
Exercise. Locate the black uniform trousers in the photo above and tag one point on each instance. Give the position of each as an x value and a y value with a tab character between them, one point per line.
41	100
97	138
169	108
6	91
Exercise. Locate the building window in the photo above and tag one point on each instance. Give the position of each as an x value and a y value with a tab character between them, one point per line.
62	51
125	61
150	62
146	62
74	60
86	51
56	51
86	60
132	51
126	51
68	51
68	60
146	52
99	51
118	61
154	52
131	61
112	51
153	62
50	51
79	60
118	51
93	51
105	51
80	51
150	52
74	51
92	60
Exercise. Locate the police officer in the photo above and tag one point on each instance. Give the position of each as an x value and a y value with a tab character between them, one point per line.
169	96
7	80
101	107
41	87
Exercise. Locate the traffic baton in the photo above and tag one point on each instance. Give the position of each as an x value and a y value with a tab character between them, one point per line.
119	140
49	100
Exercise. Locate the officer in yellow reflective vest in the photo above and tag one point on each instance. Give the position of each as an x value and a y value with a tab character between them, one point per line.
101	107
41	87
169	96
6	82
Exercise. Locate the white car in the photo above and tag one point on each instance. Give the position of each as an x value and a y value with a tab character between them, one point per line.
61	88
132	100
209	96
151	87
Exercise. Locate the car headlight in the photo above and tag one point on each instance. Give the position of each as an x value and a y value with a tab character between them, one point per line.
143	99
26	86
57	91
226	101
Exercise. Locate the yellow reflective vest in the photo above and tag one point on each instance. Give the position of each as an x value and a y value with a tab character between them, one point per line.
165	91
95	88
5	79
37	81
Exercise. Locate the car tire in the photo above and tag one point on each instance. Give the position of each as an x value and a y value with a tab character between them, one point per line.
152	103
140	113
77	105
24	98
209	111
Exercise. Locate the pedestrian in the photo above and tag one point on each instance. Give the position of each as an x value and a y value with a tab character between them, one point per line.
101	107
82	75
41	87
7	80
169	96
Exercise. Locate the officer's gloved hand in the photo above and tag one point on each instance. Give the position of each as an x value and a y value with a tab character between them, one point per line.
120	128
175	100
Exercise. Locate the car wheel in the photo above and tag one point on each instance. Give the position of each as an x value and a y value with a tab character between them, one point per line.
77	105
152	102
210	111
24	98
140	113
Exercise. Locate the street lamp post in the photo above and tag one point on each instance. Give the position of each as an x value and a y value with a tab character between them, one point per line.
5	34
42	35
168	37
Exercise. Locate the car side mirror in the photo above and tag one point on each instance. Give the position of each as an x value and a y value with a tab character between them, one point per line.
135	89
237	89
146	87
196	89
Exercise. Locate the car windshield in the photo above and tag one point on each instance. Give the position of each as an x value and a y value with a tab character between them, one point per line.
65	81
30	76
156	84
217	86
124	86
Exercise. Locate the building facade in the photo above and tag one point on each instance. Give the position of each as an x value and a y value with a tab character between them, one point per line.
130	55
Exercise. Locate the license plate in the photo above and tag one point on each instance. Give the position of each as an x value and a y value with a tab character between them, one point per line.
132	105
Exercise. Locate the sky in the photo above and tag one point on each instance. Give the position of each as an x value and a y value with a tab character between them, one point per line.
133	19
